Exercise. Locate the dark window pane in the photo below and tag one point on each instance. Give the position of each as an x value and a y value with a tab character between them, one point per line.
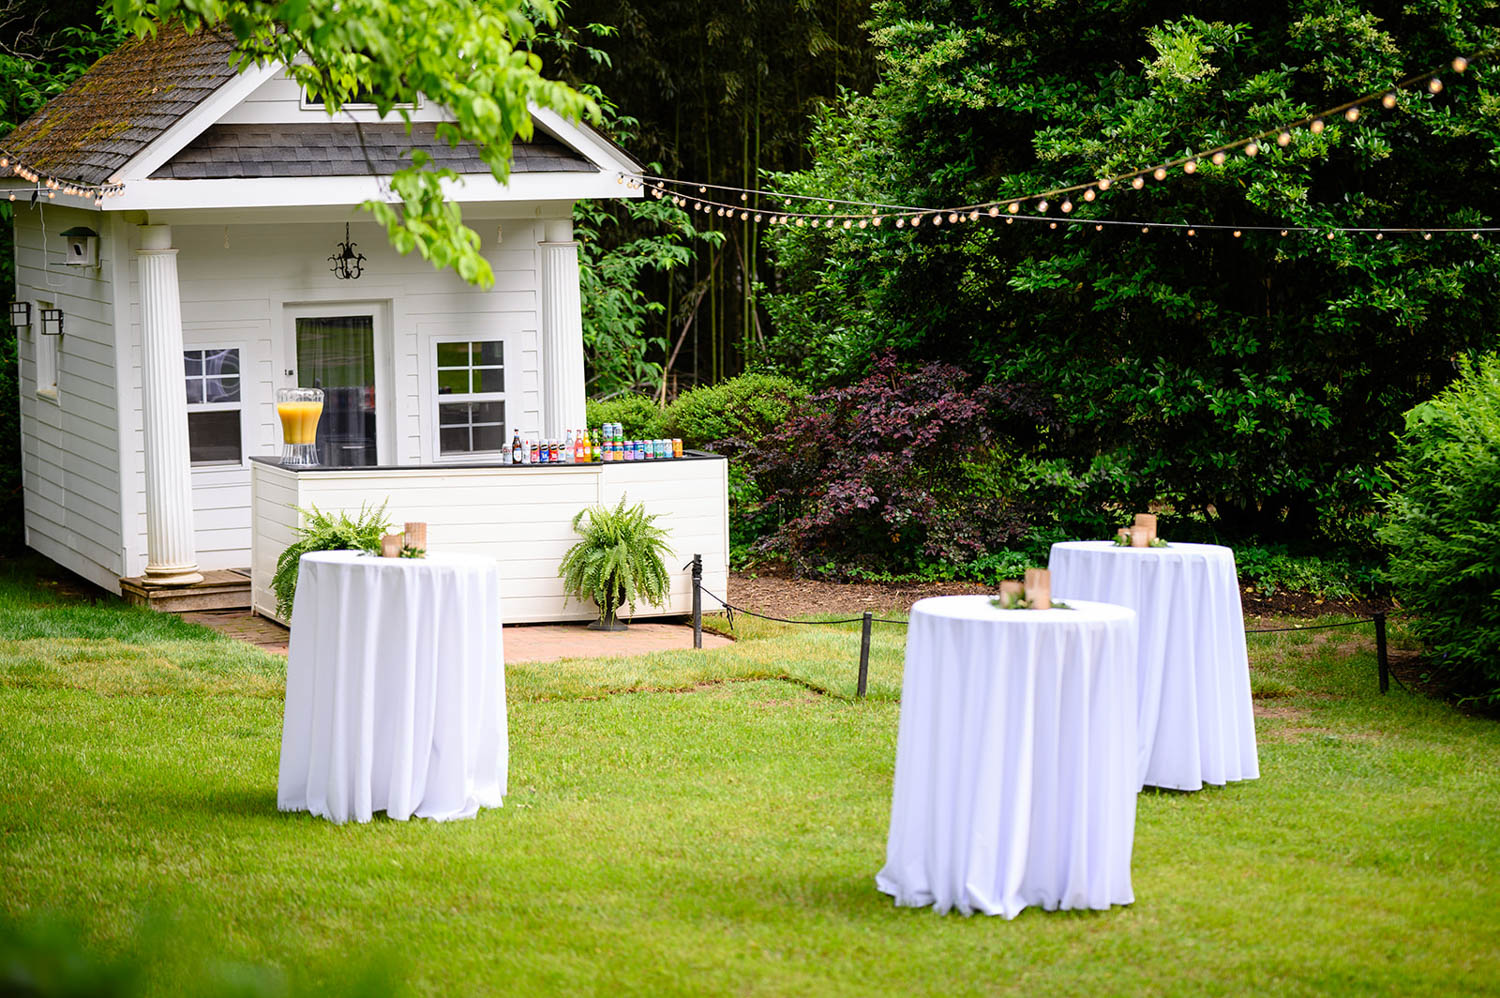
489	379
221	390
337	354
453	354
224	363
193	362
488	412
213	437
489	438
453	414
194	390
490	353
453	382
454	441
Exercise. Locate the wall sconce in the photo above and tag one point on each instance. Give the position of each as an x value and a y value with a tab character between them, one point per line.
20	314
52	322
347	264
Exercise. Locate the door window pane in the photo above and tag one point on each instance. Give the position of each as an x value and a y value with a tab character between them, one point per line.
337	354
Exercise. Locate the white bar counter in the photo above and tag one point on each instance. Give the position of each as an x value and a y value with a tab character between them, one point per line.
520	515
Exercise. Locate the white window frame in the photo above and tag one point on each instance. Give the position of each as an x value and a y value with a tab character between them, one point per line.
507	430
48	353
306	103
240	406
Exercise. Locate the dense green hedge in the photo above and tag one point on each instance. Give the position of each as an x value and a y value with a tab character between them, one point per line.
1444	526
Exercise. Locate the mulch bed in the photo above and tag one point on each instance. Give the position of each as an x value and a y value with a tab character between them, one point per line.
775	592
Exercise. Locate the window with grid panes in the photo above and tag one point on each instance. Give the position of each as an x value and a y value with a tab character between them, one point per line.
213	405
470	397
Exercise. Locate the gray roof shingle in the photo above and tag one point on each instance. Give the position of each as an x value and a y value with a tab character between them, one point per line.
333	149
123	103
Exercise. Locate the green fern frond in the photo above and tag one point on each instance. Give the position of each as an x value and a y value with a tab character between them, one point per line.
619	561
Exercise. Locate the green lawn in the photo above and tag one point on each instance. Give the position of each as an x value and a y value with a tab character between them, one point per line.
668	832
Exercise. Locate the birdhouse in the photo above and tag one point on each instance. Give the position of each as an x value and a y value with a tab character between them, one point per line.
83	246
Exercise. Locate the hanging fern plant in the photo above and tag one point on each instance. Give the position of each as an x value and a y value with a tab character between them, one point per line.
325	532
619	561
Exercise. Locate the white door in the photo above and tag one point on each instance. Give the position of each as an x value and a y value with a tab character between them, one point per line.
344	348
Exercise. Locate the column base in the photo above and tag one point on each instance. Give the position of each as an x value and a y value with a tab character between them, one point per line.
172	575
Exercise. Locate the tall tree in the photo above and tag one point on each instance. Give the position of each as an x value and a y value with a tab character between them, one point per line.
1256	377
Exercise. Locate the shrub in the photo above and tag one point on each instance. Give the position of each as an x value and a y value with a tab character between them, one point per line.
1272	568
619	560
638	414
1443	528
325	532
741	409
880	476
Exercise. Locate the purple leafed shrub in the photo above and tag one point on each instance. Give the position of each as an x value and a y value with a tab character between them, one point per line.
888	473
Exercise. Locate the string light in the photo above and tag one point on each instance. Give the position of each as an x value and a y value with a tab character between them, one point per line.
824	207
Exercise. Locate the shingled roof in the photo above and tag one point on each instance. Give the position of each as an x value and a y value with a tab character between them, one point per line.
333	149
121	105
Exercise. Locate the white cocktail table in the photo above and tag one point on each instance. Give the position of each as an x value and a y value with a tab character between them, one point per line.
1015	760
395	688
1196	721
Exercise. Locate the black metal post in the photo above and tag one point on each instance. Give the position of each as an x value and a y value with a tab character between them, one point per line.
1381	657
697	601
864	655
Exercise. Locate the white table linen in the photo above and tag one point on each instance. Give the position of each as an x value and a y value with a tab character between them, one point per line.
1196	720
1015	759
395	688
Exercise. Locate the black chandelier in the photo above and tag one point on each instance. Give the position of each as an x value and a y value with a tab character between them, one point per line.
347	264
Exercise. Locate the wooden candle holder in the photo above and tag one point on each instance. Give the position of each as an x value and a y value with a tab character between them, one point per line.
416	535
1147	520
1039	588
390	545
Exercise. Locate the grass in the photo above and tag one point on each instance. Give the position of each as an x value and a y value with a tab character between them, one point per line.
705	836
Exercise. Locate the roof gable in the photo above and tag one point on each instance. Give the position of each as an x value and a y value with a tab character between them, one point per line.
126	101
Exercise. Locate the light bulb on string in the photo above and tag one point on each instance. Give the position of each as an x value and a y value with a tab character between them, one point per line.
1459	65
1379	236
974	216
900	223
1138	182
863	222
1041	205
1067	206
1089	194
1427	236
1191	166
1051	225
994	210
1098	228
916	220
847	223
1330	237
877	220
1317	126
1236	233
953	216
1104	184
1160	173
1252	149
1388	101
1013	208
702	189
937	219
828	224
1192	232
1351	115
1283	232
1434	85
1218	158
744	196
1009	221
757	218
1145	229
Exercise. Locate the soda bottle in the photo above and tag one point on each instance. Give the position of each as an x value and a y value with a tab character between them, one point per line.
593	446
515	449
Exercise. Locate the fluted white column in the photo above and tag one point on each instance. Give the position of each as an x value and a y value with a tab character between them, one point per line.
170	556
562	332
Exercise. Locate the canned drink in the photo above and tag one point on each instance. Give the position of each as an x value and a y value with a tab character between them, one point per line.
663	449
676	446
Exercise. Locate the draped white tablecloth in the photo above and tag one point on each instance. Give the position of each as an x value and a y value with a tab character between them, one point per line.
1195	717
1015	759
395	688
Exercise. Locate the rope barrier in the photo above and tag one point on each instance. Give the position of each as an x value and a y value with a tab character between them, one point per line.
868	618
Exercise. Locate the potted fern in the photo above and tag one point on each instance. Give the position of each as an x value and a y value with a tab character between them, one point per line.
325	532
618	561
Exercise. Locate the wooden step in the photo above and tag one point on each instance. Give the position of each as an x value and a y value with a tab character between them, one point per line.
219	590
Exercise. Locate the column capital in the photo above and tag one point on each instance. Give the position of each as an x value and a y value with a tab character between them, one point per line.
155	238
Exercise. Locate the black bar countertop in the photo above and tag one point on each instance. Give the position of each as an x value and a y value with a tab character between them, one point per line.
687	455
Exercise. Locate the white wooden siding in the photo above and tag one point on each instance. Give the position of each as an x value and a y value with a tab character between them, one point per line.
279	101
520	516
240	296
68	461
